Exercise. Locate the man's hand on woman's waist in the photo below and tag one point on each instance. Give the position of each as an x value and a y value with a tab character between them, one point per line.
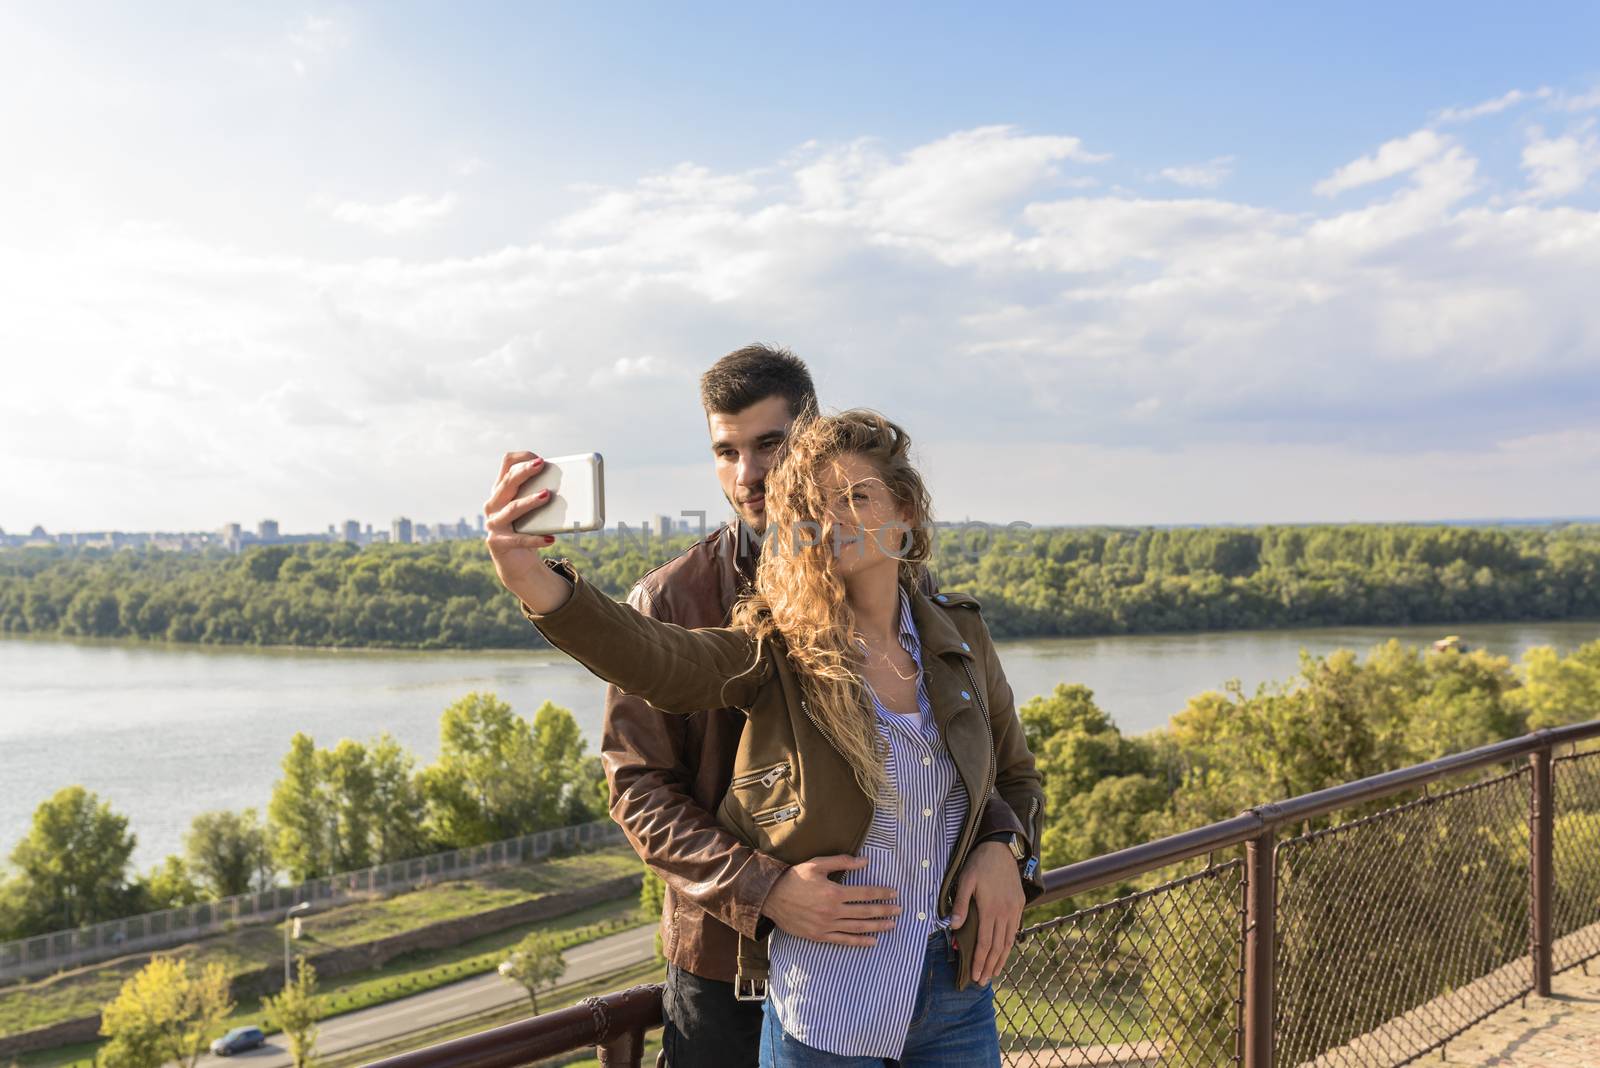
808	904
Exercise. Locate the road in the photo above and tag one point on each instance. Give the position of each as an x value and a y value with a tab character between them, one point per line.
354	1030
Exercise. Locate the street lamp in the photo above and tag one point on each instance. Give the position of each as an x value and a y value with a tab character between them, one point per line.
298	908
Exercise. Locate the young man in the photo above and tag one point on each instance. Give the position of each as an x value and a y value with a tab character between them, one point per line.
668	774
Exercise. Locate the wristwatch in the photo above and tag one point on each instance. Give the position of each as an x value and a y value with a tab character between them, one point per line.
1012	840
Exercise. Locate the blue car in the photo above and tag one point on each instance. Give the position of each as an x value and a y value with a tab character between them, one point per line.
238	1040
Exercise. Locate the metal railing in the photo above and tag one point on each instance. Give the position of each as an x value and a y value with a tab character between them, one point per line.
48	953
1370	941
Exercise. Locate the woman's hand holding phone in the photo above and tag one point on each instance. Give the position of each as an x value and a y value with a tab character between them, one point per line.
516	556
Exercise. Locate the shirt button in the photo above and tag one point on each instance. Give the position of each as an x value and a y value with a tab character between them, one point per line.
927	760
922	915
927	812
965	647
940	598
965	696
926	863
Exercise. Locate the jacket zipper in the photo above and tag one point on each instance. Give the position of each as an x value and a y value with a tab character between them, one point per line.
976	803
782	815
765	776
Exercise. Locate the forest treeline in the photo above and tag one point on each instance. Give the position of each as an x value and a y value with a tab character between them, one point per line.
499	775
1031	582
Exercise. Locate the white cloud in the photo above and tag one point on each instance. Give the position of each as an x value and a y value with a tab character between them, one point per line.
1208	175
1393	157
1559	166
411	212
1495	105
1426	349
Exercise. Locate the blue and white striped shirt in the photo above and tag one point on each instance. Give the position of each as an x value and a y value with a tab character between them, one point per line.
857	1001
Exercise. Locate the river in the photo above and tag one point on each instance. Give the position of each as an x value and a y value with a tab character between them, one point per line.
165	732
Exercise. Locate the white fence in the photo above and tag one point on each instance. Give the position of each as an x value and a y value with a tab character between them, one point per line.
48	953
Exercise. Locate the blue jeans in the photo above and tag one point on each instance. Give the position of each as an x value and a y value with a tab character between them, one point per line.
950	1028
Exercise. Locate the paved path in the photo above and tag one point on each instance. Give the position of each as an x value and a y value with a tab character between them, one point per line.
354	1030
1561	1031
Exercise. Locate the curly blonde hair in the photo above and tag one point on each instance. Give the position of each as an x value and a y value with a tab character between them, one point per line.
800	597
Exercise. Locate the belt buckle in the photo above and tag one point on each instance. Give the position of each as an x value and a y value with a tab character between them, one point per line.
749	989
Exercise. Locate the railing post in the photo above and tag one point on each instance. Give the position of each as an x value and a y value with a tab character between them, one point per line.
1261	902
1541	869
623	1051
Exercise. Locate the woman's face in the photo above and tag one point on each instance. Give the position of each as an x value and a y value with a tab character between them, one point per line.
865	527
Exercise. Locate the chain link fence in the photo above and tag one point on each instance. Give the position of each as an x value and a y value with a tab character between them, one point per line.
1148	978
1577	860
1400	929
48	953
1392	933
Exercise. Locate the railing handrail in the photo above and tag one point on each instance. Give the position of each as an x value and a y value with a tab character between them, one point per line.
617	1022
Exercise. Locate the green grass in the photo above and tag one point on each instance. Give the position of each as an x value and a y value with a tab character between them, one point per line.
81	993
409	974
467	897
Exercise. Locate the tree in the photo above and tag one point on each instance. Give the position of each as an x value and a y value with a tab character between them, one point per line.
295	1011
164	1013
398	807
558	749
298	813
1560	690
485	785
1099	795
72	867
228	852
535	962
168	885
346	779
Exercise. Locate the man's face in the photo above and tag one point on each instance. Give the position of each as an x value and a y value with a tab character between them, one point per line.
745	445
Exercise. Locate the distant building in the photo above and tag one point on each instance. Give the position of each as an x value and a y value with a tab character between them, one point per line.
232	536
267	531
480	524
400	531
664	526
352	531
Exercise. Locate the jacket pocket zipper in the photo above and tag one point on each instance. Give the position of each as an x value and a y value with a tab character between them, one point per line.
777	815
765	776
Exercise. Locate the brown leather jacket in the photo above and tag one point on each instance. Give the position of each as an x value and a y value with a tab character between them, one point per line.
669	774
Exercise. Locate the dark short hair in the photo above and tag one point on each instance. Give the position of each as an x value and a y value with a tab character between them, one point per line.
754	373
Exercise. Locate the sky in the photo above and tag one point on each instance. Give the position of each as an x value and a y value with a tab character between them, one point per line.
1110	264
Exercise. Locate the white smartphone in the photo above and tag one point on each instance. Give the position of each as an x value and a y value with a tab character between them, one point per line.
578	501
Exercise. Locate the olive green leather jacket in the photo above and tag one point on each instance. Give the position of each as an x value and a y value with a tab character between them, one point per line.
793	795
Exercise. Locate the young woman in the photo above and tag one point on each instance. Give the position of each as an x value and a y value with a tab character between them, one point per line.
879	721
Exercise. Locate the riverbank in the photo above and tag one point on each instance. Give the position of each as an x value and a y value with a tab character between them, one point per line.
165	733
